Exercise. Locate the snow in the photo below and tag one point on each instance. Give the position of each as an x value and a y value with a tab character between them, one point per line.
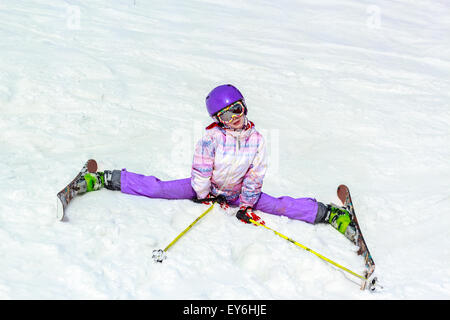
344	92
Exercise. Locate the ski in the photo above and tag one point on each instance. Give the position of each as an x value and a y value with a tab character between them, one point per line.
370	282
71	190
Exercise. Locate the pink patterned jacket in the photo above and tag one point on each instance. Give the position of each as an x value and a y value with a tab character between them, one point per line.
232	163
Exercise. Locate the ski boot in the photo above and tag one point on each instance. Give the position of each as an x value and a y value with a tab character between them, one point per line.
97	180
341	220
90	182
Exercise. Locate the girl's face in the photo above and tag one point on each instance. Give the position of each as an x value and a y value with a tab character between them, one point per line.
237	123
233	116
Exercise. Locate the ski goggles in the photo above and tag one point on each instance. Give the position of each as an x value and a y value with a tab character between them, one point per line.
234	110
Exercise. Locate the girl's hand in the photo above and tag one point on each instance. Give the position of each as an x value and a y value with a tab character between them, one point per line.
207	202
221	200
246	213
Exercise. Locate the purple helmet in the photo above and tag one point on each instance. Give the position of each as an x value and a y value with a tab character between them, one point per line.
221	97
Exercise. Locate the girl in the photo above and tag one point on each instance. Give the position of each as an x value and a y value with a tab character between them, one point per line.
230	161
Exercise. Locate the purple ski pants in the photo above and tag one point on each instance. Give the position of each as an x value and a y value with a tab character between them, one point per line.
304	209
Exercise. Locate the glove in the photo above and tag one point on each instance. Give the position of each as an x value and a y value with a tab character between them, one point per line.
246	213
204	201
220	199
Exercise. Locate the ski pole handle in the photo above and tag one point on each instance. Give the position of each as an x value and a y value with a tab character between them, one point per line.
219	199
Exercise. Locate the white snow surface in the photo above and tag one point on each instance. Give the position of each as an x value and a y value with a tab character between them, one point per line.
350	91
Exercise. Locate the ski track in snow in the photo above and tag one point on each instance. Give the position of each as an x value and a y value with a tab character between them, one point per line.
350	93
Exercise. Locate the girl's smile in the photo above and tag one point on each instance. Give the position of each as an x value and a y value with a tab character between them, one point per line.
237	123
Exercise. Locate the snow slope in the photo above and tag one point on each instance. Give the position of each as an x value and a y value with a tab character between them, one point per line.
344	92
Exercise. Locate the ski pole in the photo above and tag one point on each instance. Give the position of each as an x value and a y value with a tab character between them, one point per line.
244	217
160	255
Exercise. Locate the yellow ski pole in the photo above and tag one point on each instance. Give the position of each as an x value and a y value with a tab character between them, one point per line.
242	216
160	255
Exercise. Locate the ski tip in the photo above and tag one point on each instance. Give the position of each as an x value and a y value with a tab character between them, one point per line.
92	165
342	192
